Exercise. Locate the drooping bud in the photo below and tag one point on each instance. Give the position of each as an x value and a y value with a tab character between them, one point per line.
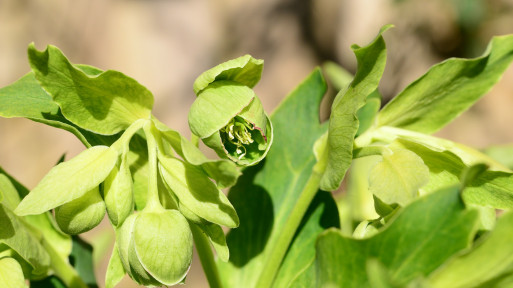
228	116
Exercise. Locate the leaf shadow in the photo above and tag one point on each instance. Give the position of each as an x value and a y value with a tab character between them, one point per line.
255	209
7	230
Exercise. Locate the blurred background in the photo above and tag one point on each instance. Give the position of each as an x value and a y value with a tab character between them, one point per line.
166	44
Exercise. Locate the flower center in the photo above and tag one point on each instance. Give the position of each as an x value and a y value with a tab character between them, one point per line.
238	132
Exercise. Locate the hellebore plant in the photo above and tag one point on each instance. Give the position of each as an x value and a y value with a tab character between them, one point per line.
416	210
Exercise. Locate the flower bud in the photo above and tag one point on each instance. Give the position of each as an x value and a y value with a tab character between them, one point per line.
228	116
155	248
82	214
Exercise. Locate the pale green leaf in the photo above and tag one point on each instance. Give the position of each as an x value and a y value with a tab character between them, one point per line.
9	196
69	180
343	120
469	156
26	98
491	256
115	271
163	243
195	190
244	70
11	275
106	103
420	238
447	89
398	177
25	242
490	188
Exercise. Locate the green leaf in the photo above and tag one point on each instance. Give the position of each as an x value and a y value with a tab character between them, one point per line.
245	70
490	188
195	190
398	177
26	98
266	193
81	258
224	172
106	103
163	243
321	215
216	236
115	271
343	120
368	112
69	180
25	242
11	275
447	89
9	197
489	258
411	245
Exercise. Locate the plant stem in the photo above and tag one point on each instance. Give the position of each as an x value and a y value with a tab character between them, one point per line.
152	202
277	253
206	257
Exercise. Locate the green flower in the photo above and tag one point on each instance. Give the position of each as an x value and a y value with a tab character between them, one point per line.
228	116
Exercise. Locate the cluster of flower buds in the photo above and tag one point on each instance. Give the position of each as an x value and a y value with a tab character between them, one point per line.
152	211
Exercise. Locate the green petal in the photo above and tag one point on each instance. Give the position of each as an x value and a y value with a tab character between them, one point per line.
118	192
217	105
245	70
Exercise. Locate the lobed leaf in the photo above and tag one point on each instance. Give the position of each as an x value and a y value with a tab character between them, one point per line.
26	98
420	238
491	256
105	104
447	89
343	120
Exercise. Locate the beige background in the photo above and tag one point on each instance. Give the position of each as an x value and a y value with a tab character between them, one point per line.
166	44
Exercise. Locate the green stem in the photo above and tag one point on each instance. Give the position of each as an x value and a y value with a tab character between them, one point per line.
152	202
277	253
66	273
206	257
